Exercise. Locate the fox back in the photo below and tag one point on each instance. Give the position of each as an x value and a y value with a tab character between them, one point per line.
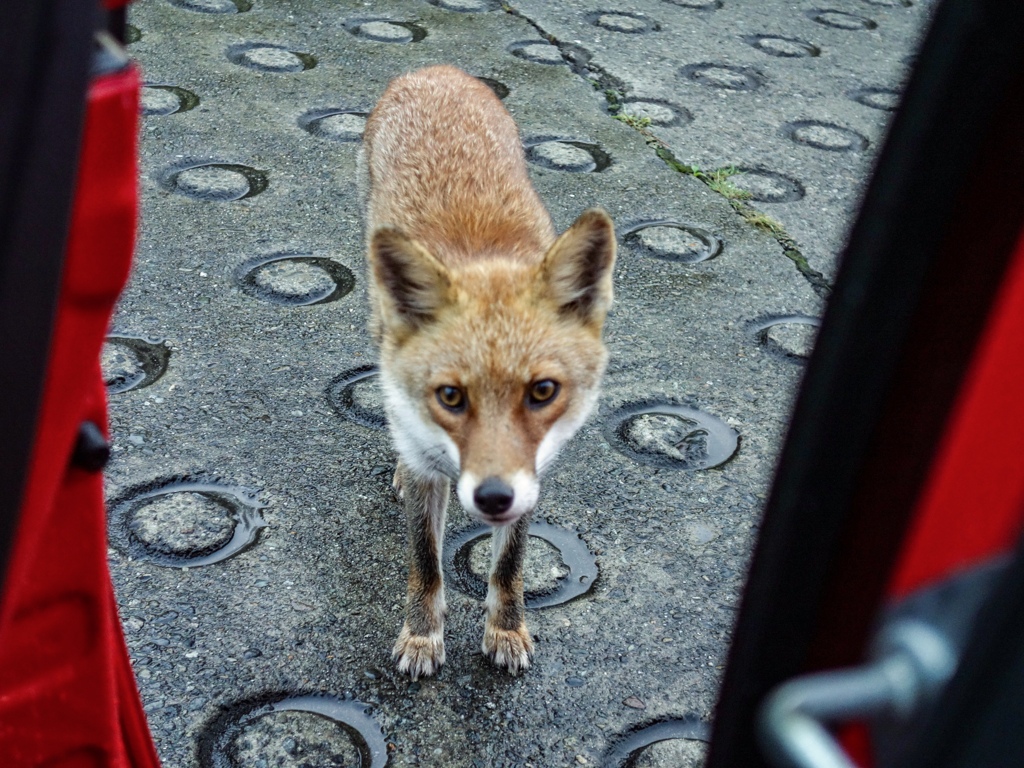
489	325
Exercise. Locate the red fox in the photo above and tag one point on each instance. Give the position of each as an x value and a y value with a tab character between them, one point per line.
490	337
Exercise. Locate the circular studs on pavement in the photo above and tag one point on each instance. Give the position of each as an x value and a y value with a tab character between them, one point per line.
573	577
883	99
672	241
783	47
723	76
661	113
567	155
466	6
840	19
698	5
355	395
180	522
335	124
628	751
132	362
268	57
826	136
295	279
537	51
766	186
294	731
386	30
216	182
623	21
213	6
160	99
789	335
671	436
500	89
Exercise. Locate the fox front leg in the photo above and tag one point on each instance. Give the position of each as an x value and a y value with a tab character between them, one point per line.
419	650
507	642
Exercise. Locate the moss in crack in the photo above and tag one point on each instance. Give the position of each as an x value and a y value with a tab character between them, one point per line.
760	220
637	123
718	181
790	250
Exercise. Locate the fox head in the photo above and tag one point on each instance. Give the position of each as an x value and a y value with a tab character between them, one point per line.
489	366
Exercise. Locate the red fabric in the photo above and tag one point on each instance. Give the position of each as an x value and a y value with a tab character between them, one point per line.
856	741
67	694
973	503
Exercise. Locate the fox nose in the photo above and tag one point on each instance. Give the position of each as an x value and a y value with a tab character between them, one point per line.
493	496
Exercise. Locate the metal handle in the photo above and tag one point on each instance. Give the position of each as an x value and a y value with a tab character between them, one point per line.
913	661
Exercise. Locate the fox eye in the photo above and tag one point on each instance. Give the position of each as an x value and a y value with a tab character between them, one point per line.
542	392
452	398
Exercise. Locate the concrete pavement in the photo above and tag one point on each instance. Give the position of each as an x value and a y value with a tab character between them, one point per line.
256	548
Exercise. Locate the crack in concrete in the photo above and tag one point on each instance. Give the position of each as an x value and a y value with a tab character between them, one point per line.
613	89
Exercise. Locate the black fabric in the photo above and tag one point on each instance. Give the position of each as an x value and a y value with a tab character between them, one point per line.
44	62
924	258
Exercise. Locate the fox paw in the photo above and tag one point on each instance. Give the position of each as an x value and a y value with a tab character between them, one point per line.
418	655
509	649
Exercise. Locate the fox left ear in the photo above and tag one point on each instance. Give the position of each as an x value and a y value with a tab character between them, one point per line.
578	267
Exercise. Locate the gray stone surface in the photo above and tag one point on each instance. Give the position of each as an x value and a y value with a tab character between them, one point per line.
284	739
747	71
293	278
314	605
181	523
673	753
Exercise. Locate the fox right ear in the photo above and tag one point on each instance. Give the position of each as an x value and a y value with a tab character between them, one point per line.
412	285
578	267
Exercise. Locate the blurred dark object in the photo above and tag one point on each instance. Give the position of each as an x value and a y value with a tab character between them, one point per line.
904	464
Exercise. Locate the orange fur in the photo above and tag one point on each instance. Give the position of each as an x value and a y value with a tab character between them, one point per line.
446	168
472	292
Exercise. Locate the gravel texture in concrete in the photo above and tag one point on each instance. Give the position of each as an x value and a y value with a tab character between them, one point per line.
256	547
